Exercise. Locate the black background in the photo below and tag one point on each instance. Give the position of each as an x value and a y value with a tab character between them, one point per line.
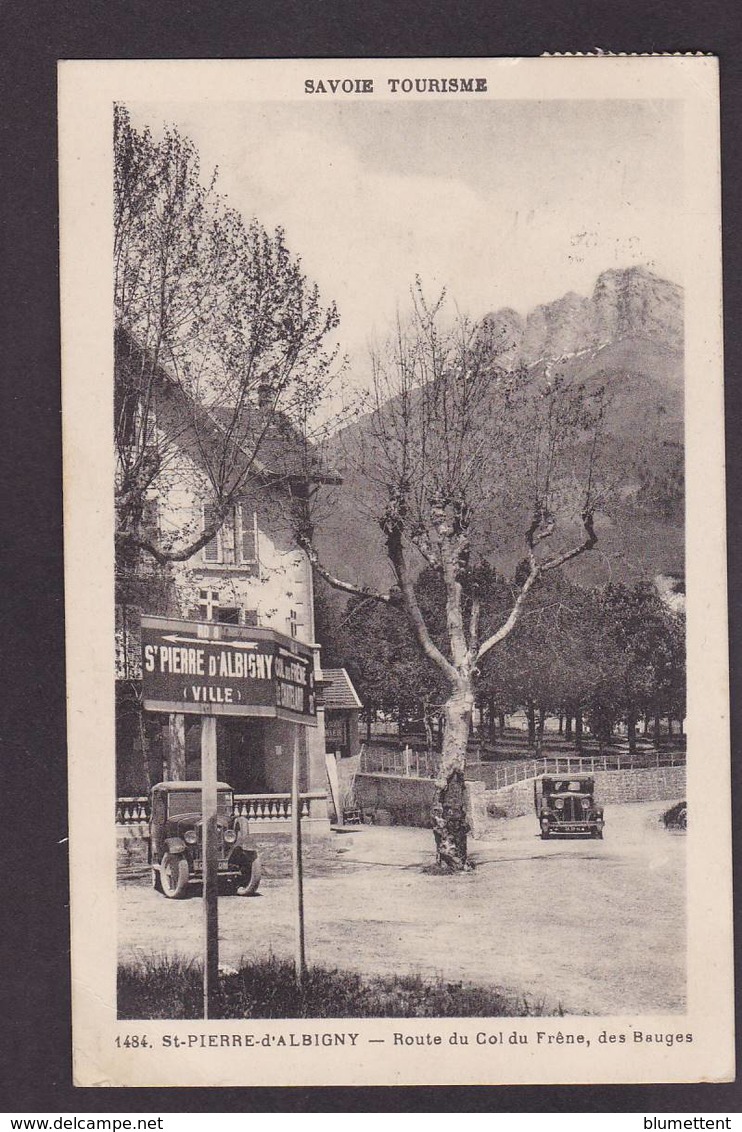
34	977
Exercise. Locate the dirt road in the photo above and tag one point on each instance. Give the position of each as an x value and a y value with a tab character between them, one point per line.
595	926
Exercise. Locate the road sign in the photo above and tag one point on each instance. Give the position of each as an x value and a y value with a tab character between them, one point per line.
206	668
209	669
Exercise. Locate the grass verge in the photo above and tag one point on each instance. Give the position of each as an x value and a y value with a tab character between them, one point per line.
161	987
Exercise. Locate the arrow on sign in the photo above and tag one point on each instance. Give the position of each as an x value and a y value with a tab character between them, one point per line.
207	641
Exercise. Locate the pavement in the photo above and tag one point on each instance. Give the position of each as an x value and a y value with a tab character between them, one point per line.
589	927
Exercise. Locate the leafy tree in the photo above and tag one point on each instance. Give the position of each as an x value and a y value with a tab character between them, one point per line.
547	665
450	430
639	667
383	657
220	340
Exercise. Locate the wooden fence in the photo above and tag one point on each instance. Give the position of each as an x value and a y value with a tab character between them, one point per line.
404	764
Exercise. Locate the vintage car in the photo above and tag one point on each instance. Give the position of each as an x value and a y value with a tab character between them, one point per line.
175	840
565	806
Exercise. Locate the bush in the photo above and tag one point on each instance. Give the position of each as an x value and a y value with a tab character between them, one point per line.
677	816
172	988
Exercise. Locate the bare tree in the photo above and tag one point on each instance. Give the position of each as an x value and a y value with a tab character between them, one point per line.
220	343
453	438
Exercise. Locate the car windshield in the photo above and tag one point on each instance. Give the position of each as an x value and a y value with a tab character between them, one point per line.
189	802
573	786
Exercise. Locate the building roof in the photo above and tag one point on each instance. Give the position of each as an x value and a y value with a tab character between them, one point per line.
265	435
339	693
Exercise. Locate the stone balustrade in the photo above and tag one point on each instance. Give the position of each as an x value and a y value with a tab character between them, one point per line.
132	811
260	808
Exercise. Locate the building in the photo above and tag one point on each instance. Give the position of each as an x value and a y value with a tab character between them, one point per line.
250	573
342	709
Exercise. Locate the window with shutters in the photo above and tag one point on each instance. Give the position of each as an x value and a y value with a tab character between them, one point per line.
151	519
235	544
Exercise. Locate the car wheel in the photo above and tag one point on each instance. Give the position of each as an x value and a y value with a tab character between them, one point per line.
544	835
598	834
252	874
156	882
174	875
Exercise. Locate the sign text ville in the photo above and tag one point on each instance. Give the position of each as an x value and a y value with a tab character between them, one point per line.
206	668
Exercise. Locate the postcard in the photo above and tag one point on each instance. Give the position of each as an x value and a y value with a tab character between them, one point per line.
395	571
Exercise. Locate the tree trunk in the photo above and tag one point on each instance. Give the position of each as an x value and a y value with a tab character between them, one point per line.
657	738
491	719
632	731
561	723
428	731
568	725
176	752
450	824
531	724
501	722
370	712
669	726
541	722
578	729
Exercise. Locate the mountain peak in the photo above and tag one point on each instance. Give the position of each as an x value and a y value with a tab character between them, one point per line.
633	302
626	302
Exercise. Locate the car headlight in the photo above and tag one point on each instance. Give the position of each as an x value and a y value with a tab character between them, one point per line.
585	803
190	837
559	804
230	836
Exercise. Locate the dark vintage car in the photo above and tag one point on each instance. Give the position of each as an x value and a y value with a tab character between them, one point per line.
566	806
176	841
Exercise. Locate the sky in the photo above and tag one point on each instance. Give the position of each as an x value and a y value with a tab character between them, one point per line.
505	203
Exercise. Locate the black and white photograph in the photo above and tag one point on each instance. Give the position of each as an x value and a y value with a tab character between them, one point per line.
393	414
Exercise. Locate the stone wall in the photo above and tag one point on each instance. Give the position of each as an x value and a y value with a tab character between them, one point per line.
391	800
612	787
275	845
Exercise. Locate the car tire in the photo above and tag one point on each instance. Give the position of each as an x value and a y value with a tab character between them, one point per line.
174	876
252	874
544	835
598	834
156	883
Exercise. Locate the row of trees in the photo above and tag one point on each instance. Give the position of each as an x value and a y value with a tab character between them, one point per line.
603	656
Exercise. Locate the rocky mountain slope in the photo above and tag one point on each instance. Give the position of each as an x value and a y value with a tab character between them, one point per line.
631	303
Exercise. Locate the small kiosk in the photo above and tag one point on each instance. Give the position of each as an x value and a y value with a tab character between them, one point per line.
342	710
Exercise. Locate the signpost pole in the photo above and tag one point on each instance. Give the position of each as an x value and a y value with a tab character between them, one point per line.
300	961
210	862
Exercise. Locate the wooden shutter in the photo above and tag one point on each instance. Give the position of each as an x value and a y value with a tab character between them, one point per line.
247	528
212	552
